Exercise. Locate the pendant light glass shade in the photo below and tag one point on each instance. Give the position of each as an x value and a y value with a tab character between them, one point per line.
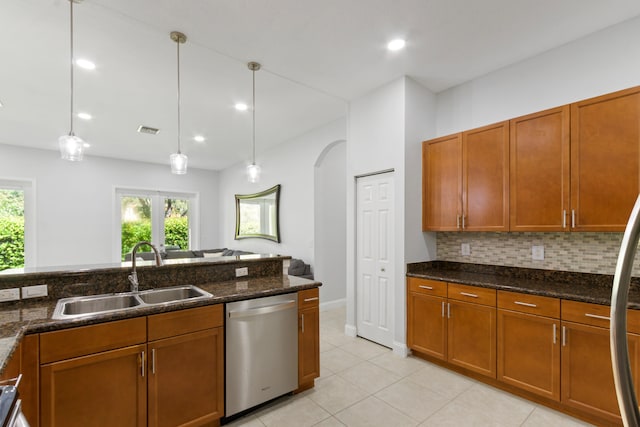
71	146
178	160
253	170
178	163
253	173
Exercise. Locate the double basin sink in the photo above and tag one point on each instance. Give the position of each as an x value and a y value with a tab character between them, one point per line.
74	307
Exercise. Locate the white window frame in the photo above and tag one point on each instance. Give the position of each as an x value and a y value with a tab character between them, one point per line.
157	216
28	186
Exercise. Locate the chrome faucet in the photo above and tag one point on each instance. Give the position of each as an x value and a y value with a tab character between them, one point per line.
133	277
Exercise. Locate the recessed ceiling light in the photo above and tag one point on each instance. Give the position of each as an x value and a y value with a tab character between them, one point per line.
241	107
198	138
86	64
85	116
396	44
148	129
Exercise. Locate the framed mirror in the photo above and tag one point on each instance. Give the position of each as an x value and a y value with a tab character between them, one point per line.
257	215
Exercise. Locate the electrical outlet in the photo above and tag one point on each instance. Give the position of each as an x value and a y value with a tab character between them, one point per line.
34	291
537	253
465	249
244	271
12	294
242	286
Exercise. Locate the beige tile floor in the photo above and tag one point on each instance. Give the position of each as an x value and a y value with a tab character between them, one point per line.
364	384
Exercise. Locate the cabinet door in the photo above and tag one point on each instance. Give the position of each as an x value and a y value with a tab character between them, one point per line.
587	377
471	337
485	180
442	183
308	346
104	389
539	173
529	353
427	325
605	157
186	379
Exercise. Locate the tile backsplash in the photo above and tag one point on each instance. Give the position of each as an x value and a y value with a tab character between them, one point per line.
579	252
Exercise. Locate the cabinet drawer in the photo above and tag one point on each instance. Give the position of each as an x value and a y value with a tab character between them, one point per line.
185	321
427	287
84	340
472	294
533	304
308	298
597	315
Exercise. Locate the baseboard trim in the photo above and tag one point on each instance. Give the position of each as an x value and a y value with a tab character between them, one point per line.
400	349
330	305
350	331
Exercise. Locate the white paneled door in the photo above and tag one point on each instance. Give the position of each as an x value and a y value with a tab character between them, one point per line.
374	258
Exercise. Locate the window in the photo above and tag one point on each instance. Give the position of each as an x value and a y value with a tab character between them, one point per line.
16	227
166	219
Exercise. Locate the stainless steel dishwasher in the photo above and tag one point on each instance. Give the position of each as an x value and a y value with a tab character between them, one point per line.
261	350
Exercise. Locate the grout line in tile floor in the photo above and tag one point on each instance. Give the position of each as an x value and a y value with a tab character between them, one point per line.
363	384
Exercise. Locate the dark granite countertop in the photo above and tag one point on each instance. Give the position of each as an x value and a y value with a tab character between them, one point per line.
585	287
27	317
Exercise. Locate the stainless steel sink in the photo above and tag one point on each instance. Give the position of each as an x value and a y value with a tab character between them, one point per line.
167	295
99	304
70	308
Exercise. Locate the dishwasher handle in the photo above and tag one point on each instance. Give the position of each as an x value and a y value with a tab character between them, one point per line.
263	310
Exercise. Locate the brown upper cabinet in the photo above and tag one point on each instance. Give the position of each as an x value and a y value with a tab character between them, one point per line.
539	171
605	150
466	183
571	168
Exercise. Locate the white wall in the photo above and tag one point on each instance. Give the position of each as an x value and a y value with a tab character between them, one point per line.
382	135
330	266
420	124
290	164
603	62
75	201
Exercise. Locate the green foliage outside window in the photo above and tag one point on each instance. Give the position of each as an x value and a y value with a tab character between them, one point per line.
11	229
176	233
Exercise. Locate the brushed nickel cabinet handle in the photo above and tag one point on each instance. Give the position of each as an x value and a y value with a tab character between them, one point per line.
564	218
554	333
302	322
526	304
564	336
458	221
443	309
153	361
573	218
463	222
425	287
311	299
467	294
448	311
142	363
596	316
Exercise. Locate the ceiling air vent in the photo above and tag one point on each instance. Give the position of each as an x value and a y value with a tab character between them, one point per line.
147	129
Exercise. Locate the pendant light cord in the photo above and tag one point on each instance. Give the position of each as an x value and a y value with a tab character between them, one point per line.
253	109
178	62
71	74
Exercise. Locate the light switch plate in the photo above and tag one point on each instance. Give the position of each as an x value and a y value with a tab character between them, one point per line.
465	249
12	294
537	253
34	291
244	271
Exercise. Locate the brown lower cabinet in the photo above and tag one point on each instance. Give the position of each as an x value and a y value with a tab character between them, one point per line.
460	329
308	338
108	374
552	351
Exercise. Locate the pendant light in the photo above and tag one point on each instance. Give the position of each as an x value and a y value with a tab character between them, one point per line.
71	146
253	170
178	160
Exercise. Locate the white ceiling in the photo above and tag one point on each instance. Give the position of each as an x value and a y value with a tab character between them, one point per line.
316	56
